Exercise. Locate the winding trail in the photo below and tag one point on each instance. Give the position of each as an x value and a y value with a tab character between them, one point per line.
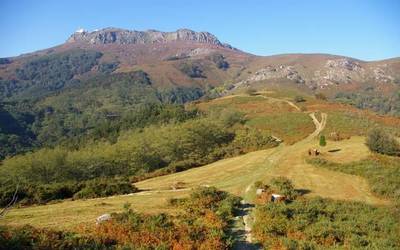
244	221
235	175
290	103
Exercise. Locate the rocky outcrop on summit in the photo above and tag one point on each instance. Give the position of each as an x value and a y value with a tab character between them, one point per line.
122	36
332	72
338	71
345	71
276	72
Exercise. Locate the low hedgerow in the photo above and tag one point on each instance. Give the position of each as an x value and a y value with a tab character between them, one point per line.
104	187
28	194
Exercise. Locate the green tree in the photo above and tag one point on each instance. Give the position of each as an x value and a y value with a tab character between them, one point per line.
322	141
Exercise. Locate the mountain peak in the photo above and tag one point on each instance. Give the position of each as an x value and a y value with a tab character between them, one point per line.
122	36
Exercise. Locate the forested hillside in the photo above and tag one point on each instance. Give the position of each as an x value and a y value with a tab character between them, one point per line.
56	100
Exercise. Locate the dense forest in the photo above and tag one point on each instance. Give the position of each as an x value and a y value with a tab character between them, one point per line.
163	140
71	98
85	128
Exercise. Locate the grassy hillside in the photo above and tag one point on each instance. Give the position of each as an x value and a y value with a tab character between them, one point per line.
236	175
349	178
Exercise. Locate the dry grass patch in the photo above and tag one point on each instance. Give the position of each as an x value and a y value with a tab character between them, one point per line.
353	149
67	215
232	175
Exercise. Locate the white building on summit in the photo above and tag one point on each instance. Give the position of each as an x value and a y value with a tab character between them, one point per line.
80	30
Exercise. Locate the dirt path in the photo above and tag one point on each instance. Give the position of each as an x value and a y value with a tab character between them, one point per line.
289	161
234	175
319	125
293	105
245	219
242	228
265	97
285	160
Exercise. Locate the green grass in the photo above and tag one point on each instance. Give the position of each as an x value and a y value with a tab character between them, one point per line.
351	123
266	113
290	127
382	173
235	175
348	123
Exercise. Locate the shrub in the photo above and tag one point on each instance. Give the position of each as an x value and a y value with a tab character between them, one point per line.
192	69
28	237
220	61
322	141
56	191
284	186
229	117
108	68
105	187
202	224
321	96
380	142
324	224
259	184
250	91
299	98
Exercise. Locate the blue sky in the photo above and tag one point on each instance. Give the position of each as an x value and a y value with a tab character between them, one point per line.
363	29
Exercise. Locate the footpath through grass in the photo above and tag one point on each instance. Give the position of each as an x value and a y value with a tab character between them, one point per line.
235	175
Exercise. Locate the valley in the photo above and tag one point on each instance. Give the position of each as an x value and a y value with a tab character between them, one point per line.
235	175
125	139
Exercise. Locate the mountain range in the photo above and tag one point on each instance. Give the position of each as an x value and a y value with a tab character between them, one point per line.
189	58
62	92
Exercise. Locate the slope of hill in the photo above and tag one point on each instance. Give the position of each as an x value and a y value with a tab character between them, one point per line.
312	176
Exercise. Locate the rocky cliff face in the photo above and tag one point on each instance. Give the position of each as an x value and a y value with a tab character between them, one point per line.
121	36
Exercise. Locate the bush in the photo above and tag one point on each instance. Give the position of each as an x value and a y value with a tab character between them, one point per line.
324	224
105	187
322	141
192	69
250	91
28	237
284	186
108	68
229	117
259	184
220	61
299	98
202	223
321	96
380	142
35	193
